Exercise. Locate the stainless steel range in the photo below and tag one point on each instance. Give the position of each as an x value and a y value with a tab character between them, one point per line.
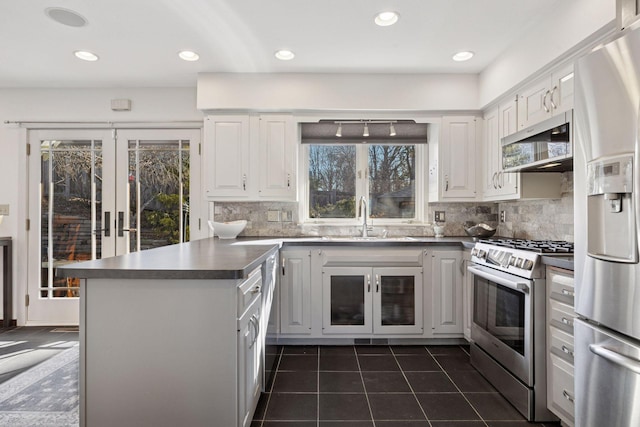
509	321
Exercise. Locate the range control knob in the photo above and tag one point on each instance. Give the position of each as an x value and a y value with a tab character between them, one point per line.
528	265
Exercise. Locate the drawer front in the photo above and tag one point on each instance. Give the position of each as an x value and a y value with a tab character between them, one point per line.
560	389
561	343
249	290
358	257
561	285
561	316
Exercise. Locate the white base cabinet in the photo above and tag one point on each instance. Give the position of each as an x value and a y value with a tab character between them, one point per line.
295	291
365	300
560	344
208	373
333	294
447	302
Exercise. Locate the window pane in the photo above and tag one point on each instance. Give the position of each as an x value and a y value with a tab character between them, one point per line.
332	181
392	181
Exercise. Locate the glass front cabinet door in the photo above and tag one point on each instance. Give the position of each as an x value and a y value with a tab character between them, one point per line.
364	300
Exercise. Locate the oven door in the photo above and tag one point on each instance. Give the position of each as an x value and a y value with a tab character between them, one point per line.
503	319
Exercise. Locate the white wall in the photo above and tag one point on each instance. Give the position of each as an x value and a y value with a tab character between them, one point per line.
569	24
337	92
148	105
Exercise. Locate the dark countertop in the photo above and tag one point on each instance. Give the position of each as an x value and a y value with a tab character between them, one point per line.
212	258
198	259
565	262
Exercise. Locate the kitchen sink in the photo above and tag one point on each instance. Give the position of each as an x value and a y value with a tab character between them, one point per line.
369	239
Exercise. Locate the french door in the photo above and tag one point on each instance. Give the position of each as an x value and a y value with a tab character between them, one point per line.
100	193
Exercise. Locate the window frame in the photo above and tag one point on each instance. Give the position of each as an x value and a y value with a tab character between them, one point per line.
362	188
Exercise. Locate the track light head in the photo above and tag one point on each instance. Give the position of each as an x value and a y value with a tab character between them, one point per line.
339	131
392	130
365	132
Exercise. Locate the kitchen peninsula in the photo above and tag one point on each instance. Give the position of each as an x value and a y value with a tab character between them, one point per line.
173	336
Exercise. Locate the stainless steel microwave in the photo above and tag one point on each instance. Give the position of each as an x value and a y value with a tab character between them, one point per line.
544	147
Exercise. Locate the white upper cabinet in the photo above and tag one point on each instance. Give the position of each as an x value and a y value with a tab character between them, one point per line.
250	157
499	185
277	156
226	156
552	94
453	161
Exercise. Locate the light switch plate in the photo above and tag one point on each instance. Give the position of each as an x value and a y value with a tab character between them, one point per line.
503	216
287	216
4	210
273	216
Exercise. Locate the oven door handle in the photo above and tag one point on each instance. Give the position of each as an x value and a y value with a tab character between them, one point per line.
488	274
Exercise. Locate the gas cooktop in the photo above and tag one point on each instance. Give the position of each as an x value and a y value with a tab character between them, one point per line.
547	247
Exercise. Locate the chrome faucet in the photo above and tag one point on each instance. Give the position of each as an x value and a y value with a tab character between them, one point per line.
363	212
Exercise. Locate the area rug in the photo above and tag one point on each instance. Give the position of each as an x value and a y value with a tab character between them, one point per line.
45	395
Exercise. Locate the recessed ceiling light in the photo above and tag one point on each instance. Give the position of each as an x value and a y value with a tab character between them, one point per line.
65	16
384	19
188	55
285	55
85	55
463	56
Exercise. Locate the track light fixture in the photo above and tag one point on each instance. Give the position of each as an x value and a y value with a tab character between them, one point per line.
365	132
339	131
392	129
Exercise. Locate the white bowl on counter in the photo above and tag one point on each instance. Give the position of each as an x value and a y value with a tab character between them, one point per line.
227	230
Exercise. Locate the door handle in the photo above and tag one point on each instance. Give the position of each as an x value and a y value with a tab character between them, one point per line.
553	104
377	283
616	358
368	283
121	228
544	102
107	225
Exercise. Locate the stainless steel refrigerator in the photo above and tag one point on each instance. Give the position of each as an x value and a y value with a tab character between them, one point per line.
606	210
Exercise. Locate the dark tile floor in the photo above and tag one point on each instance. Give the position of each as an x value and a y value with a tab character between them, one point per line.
381	386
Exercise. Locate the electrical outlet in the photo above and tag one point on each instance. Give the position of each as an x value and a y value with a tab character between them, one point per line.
273	216
4	210
503	216
439	216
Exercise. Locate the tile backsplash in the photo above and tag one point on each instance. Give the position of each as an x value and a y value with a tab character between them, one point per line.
541	219
531	219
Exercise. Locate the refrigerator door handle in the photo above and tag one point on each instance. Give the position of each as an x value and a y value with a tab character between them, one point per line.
615	357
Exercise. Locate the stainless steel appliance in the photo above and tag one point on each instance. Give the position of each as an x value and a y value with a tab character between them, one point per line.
606	205
544	147
509	306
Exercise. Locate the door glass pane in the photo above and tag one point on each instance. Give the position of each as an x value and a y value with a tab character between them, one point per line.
332	181
506	314
158	193
71	177
398	305
347	300
392	181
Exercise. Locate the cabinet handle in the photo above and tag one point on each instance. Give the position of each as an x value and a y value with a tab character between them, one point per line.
283	262
256	290
544	101
368	283
567	396
566	350
568	292
288	180
553	104
500	179
244	181
567	321
377	283
446	183
493	180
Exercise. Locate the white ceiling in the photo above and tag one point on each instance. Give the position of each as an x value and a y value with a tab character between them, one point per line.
138	40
